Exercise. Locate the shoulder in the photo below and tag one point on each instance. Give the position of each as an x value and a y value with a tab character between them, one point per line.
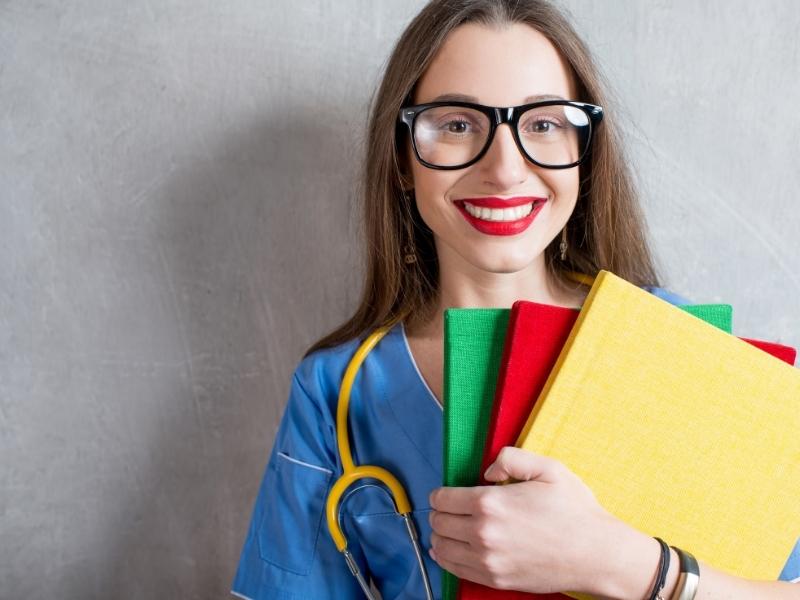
666	295
308	426
307	431
320	373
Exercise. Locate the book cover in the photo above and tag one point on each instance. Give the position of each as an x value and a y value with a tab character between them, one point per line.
644	394
473	347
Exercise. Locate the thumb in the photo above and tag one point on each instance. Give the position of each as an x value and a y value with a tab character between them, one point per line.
522	465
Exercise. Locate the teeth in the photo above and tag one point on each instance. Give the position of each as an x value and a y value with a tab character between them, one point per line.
499	214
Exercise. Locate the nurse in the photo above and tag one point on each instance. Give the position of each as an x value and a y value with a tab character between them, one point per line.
466	204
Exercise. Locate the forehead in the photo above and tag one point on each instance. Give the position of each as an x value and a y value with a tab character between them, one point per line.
498	66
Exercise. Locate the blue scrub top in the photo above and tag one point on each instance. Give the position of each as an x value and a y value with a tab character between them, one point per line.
395	422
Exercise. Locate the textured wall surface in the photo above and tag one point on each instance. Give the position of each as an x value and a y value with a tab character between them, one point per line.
175	227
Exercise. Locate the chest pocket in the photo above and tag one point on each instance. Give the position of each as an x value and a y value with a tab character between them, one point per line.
390	555
290	526
382	535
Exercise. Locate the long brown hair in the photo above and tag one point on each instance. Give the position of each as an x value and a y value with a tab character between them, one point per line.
605	231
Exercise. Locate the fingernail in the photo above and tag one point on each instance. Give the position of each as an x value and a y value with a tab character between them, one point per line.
432	553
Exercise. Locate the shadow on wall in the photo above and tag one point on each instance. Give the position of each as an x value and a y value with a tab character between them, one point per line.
254	241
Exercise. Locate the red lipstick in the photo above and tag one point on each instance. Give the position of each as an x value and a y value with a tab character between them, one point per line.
501	227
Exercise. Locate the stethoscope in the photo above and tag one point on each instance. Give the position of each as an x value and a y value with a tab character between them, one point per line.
352	473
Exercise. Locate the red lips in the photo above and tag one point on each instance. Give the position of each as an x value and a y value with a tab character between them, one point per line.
501	227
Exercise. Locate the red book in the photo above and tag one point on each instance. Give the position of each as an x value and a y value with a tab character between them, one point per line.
536	335
785	353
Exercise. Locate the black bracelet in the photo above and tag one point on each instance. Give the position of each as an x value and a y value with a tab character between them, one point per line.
663	568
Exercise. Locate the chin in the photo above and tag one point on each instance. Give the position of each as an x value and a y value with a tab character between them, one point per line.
505	265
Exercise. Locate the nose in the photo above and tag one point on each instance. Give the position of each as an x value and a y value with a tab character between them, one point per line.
503	166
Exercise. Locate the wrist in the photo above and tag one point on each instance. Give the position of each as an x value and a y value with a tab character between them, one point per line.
672	575
628	565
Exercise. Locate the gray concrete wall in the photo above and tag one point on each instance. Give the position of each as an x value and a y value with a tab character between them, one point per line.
175	227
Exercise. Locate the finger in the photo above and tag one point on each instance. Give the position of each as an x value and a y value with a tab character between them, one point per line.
460	570
522	465
450	526
454	551
455	500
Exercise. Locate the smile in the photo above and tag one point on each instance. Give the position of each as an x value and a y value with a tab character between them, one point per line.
498	216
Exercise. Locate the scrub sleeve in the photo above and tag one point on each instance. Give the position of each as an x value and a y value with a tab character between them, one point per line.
288	553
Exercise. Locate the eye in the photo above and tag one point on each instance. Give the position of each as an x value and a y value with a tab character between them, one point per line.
451	123
542	125
457	126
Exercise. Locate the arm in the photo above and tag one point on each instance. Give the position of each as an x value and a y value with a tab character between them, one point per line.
548	533
639	557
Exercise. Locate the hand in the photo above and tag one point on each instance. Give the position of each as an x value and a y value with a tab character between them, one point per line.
545	534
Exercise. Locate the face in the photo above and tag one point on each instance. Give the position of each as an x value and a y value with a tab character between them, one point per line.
508	66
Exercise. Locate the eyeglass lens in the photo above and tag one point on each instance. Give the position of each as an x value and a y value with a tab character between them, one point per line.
449	136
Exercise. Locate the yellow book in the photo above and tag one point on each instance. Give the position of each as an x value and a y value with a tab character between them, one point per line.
681	430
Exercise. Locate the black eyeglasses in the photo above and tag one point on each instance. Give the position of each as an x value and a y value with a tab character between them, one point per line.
554	134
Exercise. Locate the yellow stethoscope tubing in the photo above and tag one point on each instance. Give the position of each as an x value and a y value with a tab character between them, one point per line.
351	472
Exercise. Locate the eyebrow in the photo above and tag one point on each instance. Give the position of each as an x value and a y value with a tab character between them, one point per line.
466	98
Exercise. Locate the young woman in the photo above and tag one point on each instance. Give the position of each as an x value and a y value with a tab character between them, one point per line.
465	206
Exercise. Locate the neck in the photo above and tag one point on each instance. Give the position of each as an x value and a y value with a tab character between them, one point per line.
462	285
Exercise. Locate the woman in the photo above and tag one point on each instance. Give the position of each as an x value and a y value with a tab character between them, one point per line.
462	213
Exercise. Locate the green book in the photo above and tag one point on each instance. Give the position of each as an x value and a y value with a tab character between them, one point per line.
473	347
718	315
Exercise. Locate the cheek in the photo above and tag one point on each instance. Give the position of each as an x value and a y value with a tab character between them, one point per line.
426	179
431	188
564	184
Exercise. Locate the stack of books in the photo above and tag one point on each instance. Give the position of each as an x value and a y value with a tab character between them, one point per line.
680	428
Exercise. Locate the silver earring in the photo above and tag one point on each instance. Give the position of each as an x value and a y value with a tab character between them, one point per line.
563	245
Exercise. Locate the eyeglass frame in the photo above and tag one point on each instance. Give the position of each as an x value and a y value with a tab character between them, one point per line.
498	116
